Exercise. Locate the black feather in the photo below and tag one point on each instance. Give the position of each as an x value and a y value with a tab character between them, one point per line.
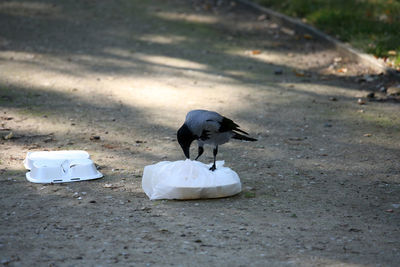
229	125
205	135
242	137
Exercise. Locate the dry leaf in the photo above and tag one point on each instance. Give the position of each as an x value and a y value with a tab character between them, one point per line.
8	136
367	135
112	186
307	36
255	52
109	146
6	118
392	53
361	101
342	70
299	73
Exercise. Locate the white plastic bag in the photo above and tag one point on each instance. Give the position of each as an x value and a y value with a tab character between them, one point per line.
189	180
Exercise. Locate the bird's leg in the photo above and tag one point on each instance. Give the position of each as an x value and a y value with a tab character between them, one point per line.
201	150
215	151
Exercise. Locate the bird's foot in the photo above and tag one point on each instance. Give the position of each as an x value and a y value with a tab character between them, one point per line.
213	168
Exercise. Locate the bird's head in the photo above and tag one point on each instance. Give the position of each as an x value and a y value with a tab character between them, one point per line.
185	139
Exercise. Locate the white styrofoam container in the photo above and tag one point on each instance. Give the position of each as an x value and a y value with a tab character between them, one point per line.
60	166
58	156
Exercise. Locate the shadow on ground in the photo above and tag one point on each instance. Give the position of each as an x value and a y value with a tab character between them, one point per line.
320	187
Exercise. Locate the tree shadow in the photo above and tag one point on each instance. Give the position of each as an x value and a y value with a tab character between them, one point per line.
93	39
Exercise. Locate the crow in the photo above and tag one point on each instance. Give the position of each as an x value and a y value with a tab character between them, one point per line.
208	128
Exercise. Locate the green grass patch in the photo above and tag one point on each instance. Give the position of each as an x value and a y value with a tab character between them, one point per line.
370	25
249	194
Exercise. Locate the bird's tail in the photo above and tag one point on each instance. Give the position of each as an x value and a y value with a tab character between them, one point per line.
243	137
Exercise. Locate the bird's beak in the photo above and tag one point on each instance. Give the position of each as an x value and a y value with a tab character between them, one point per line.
186	151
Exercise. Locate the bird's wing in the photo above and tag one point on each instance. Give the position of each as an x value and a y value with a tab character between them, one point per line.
229	125
202	122
199	121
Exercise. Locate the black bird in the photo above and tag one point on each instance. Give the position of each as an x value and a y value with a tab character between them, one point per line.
208	127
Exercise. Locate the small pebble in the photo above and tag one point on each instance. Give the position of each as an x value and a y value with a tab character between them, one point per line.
371	95
95	137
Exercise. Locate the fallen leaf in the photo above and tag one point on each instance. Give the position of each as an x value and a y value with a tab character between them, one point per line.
392	53
307	36
342	70
299	73
361	101
112	186
367	135
6	118
109	146
8	136
255	52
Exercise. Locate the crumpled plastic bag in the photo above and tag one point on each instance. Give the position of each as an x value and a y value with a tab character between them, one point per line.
187	179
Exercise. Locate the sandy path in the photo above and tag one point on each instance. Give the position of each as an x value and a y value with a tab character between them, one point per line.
321	186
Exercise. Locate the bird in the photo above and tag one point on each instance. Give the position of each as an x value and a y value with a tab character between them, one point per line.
208	128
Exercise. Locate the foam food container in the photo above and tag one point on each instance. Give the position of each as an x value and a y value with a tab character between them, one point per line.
60	166
58	156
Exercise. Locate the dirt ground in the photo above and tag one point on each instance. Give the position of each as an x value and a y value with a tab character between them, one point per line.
321	187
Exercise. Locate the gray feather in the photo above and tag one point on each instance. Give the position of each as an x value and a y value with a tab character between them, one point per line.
200	120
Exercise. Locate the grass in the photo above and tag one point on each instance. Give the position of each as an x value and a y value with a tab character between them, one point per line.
248	194
370	25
